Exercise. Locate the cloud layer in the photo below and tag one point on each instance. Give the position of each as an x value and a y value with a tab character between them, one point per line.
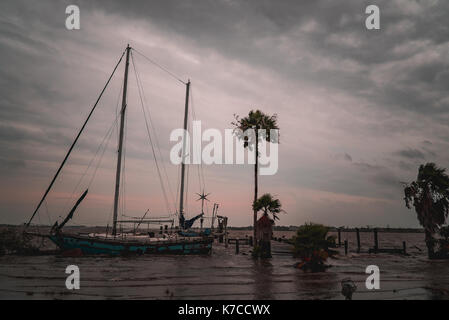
359	110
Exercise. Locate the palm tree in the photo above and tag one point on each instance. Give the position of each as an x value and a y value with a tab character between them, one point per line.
256	120
429	194
268	204
312	244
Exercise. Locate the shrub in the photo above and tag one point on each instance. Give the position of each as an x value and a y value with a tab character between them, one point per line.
312	244
16	242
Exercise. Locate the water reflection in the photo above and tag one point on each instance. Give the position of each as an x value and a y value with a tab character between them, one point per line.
436	280
263	279
320	285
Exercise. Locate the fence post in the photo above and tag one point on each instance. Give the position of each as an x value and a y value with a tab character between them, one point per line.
346	247
226	232
404	247
358	239
237	246
339	236
376	241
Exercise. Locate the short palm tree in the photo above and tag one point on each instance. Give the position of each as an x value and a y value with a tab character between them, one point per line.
312	244
268	205
256	120
429	194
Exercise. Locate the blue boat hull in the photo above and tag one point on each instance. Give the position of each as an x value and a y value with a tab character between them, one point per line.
91	246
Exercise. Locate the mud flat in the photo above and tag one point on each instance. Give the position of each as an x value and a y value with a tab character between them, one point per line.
225	275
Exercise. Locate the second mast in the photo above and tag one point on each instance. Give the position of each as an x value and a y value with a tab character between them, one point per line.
120	143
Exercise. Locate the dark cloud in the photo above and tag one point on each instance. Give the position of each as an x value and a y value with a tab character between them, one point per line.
405	165
381	176
348	157
399	66
368	167
411	153
344	156
8	164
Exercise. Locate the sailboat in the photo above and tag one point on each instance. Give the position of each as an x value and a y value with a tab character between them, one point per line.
117	243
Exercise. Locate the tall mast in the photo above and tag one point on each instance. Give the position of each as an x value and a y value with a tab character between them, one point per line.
120	143
186	111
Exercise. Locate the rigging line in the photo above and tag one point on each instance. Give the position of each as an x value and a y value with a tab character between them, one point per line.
189	128
106	139
199	178
74	142
178	176
149	136
124	168
108	136
117	110
160	67
48	215
141	95
155	136
122	195
158	146
108	133
187	190
121	200
39	223
110	215
200	166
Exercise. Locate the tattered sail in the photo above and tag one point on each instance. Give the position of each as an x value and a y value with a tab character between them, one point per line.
56	227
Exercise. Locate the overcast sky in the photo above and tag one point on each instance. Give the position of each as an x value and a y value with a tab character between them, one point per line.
358	109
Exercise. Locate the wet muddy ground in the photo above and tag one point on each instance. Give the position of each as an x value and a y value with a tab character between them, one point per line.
225	275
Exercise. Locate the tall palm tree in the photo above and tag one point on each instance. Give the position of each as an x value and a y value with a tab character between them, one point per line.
267	204
256	120
429	194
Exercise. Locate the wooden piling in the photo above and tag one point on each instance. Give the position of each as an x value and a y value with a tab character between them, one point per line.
250	241
339	236
237	246
358	239
346	247
404	247
376	241
226	231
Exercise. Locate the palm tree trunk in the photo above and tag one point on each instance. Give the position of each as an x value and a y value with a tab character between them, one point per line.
430	244
256	187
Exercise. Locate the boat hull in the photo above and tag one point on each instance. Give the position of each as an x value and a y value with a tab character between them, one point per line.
91	245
